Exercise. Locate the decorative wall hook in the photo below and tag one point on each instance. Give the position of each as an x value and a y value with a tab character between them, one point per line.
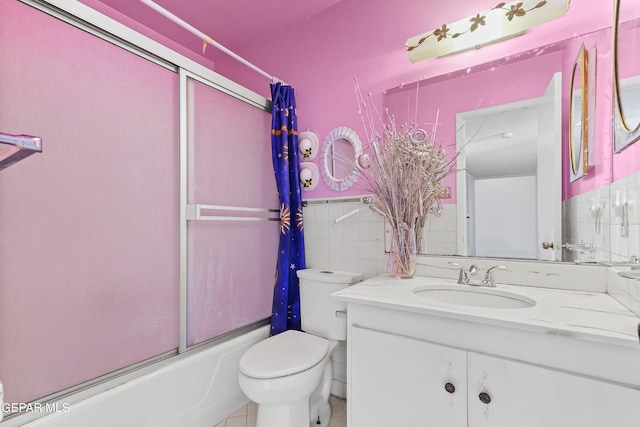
621	210
309	176
308	145
596	209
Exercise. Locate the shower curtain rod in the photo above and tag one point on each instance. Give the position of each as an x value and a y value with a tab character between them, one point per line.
207	40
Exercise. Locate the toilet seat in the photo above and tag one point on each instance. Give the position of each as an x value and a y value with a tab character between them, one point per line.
284	354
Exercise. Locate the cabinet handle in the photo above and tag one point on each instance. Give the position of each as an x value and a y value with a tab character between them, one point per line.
450	388
484	398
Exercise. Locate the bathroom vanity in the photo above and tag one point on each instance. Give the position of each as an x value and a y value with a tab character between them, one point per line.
431	352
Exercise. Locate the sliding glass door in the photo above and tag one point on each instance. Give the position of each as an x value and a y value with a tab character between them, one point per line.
88	228
148	224
232	212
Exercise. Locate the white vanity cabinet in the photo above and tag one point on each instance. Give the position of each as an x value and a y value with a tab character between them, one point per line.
400	381
524	395
403	381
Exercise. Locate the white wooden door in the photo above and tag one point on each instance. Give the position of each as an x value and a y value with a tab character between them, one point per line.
529	396
401	381
549	174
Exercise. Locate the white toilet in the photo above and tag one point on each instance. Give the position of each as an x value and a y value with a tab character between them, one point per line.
289	375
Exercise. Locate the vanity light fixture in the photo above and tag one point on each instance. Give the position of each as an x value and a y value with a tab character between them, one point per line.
504	21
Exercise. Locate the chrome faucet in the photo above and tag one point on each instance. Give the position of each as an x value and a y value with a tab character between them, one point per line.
464	278
488	280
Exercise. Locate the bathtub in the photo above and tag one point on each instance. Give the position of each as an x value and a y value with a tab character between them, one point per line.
195	390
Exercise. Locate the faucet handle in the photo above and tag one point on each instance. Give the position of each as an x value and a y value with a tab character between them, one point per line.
463	278
488	277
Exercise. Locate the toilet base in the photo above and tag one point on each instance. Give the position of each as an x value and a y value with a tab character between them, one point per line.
311	389
319	407
294	414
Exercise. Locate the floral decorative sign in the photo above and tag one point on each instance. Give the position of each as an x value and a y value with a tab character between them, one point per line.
503	21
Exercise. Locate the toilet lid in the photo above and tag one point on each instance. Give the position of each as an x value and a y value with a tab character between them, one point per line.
284	354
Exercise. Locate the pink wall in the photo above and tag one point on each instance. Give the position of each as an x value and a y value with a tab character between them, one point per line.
320	58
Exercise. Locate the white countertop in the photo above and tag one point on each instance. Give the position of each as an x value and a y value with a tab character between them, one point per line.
582	315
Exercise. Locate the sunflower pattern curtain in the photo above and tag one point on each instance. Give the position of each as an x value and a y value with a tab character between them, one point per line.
284	149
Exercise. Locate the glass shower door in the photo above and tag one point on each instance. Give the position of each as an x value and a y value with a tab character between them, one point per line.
232	213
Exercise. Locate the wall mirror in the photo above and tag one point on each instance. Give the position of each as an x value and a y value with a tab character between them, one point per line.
578	118
514	108
509	171
341	150
626	75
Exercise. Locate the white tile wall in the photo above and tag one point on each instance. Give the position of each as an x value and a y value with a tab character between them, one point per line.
623	247
580	227
355	244
440	232
626	291
609	242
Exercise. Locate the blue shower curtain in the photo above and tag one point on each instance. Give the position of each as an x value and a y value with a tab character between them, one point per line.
284	150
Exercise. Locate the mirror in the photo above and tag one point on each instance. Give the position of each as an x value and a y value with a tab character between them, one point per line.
578	118
509	194
341	150
536	82
626	75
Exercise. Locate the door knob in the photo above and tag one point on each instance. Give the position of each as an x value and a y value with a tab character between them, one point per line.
547	245
450	388
484	398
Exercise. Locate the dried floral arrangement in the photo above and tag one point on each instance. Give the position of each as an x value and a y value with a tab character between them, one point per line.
407	168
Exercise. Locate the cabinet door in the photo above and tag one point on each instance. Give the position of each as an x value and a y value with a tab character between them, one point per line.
400	381
529	396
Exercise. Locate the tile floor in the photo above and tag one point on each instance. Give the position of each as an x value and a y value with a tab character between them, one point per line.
246	416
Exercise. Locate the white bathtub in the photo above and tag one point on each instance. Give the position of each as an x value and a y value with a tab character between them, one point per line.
197	390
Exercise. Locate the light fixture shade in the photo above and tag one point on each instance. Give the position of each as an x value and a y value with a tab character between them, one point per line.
504	21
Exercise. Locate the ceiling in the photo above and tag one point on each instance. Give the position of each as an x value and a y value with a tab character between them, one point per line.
232	23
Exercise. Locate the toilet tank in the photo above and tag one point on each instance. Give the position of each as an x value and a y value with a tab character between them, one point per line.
317	308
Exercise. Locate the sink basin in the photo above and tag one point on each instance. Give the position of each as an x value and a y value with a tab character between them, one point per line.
474	296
